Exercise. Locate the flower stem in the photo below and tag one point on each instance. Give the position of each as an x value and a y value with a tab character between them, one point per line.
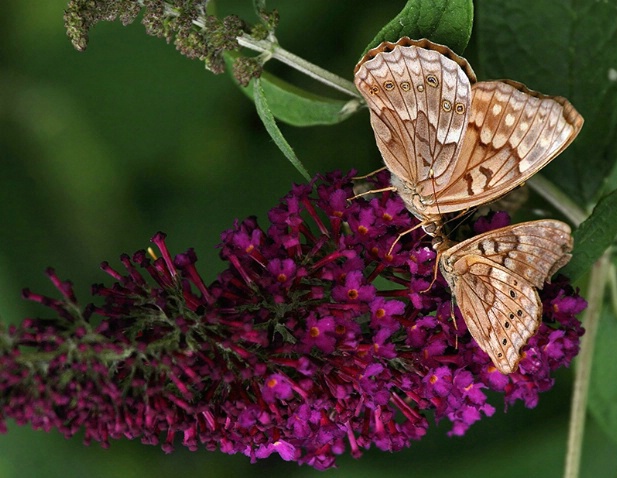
299	64
612	281
578	410
557	198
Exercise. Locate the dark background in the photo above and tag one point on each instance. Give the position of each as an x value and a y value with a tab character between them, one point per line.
100	150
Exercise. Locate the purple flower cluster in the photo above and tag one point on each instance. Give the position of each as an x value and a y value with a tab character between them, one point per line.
314	341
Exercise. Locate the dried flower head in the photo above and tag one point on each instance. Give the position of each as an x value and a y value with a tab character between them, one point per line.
195	33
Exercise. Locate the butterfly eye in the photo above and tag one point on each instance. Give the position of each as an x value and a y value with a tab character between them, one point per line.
432	81
405	86
447	106
388	85
459	108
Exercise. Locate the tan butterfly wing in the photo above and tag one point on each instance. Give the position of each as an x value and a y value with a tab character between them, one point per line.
494	277
419	99
512	133
451	143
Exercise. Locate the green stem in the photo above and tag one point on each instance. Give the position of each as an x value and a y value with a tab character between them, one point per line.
578	411
557	198
300	64
612	281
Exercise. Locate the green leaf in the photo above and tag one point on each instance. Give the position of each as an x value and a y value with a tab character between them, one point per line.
593	237
560	48
602	385
263	110
299	107
296	106
448	22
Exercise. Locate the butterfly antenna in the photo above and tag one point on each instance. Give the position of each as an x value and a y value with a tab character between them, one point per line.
460	217
434	186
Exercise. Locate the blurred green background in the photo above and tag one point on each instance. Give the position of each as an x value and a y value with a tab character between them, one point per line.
100	150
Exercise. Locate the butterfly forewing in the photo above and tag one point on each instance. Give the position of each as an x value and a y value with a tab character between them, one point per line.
494	277
531	250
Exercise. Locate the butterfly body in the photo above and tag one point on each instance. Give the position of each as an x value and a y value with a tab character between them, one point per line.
494	279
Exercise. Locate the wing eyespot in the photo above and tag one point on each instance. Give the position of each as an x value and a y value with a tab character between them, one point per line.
388	85
446	106
459	108
405	86
432	80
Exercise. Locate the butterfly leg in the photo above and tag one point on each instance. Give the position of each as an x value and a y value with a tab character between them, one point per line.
356	178
453	317
400	236
437	257
372	191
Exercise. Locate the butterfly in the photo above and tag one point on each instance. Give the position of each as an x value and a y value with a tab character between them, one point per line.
494	278
451	142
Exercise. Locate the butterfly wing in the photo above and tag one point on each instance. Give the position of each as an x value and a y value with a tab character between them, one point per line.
501	310
513	132
419	96
532	250
493	277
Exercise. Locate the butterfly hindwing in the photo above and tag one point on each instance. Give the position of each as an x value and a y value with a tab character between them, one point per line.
419	101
